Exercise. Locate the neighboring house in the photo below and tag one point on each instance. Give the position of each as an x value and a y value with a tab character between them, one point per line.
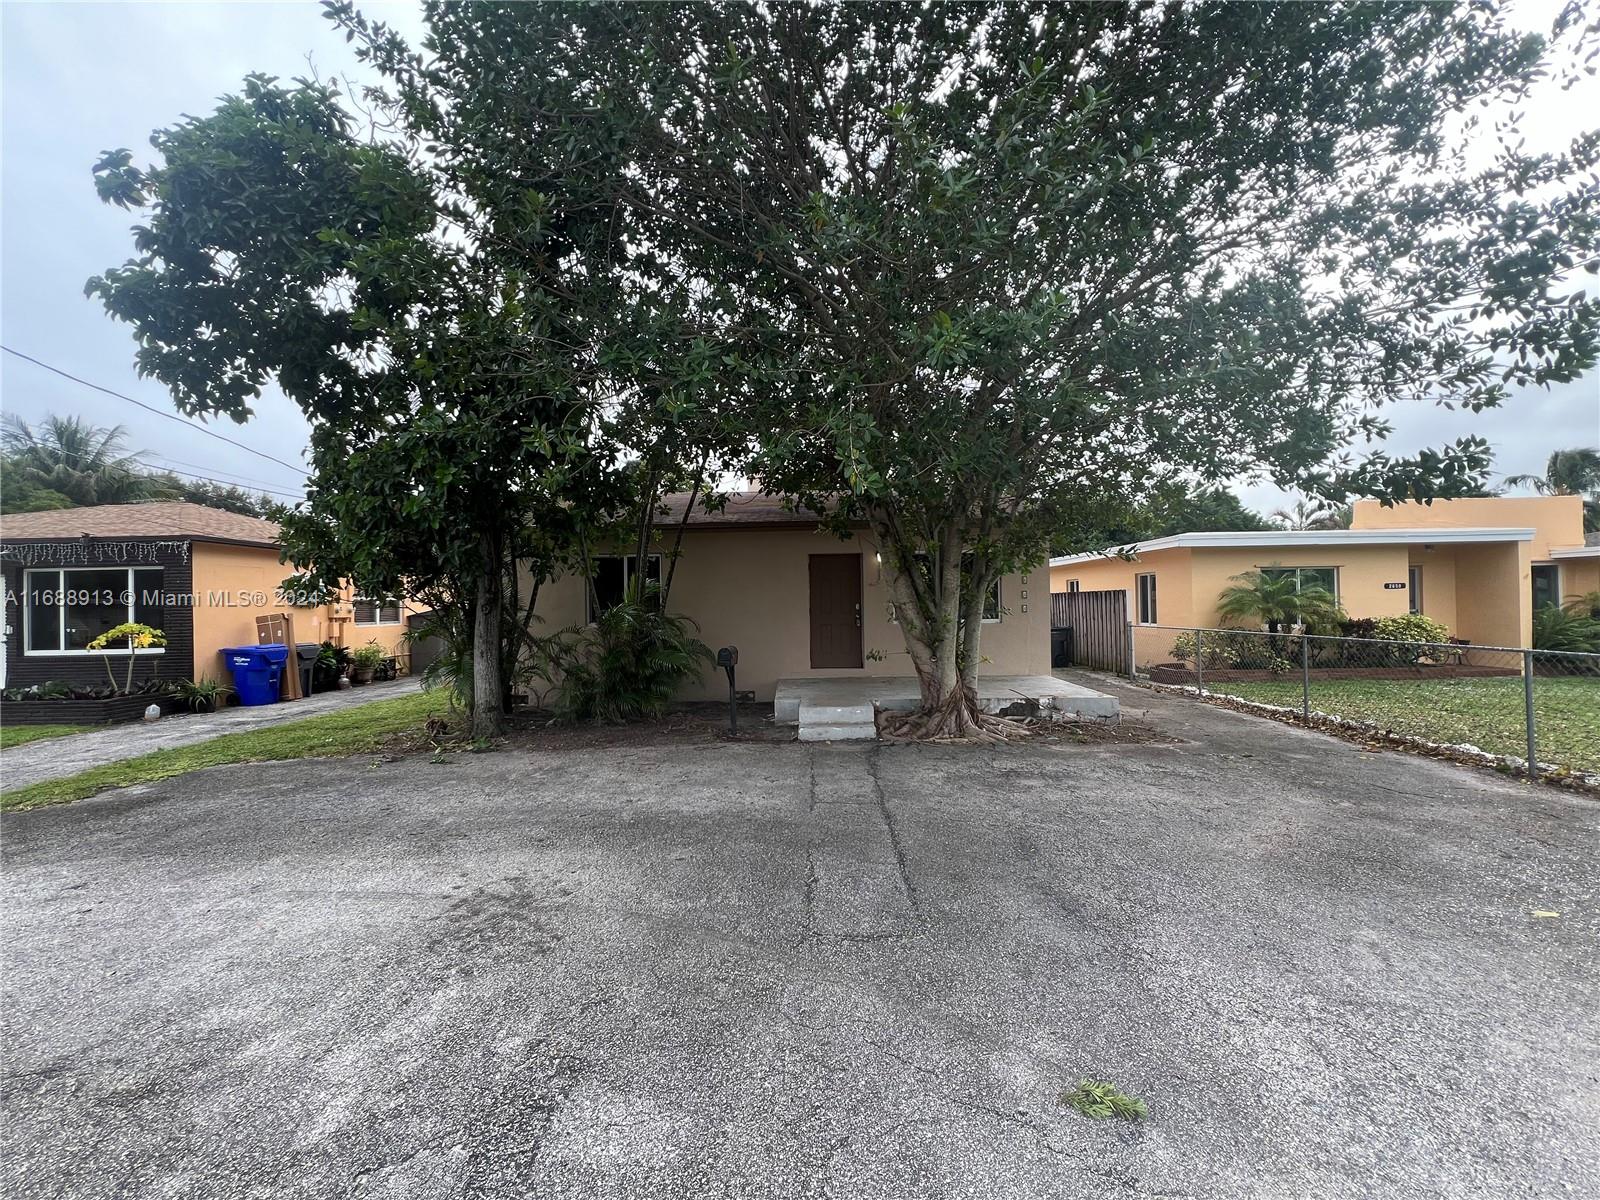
200	575
797	602
1478	566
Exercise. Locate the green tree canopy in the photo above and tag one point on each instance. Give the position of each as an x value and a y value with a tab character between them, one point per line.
986	264
448	439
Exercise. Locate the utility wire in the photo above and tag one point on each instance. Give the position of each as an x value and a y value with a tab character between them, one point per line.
244	480
162	469
139	403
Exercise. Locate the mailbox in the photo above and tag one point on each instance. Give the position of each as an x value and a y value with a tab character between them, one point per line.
728	659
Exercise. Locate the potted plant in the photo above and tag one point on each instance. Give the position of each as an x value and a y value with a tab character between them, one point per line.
331	665
204	695
364	661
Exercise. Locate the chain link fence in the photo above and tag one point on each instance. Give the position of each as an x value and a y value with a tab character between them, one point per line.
1536	711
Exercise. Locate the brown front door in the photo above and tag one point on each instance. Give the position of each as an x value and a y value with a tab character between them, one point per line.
835	610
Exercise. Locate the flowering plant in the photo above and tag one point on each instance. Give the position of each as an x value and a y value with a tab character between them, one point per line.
135	637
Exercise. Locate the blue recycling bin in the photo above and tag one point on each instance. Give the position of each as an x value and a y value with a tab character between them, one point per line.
257	671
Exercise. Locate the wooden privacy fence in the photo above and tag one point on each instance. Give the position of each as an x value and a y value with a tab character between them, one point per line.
1099	624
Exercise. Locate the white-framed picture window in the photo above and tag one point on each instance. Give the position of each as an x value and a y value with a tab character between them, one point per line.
1326	578
1146	588
65	609
370	611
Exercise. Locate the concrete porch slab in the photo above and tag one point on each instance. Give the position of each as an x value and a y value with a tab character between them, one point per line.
1056	698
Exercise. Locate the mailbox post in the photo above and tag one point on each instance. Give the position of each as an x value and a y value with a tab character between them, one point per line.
728	659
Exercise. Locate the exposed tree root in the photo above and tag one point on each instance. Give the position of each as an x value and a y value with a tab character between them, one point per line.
955	719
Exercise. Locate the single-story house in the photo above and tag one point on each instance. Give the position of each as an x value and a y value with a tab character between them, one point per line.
798	603
201	575
1478	566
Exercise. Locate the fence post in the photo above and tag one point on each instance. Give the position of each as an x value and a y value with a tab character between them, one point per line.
1199	662
1132	674
1305	676
1527	710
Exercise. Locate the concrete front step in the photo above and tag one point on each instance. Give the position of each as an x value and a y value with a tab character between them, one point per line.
837	722
854	732
837	714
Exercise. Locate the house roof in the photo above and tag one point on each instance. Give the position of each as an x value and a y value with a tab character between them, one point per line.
1289	539
1587	550
159	519
744	510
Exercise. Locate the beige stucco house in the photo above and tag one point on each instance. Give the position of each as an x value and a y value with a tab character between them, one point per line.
798	603
1478	566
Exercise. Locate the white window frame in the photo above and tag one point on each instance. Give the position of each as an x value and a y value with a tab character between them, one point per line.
1277	567
1414	589
377	611
627	577
61	574
999	607
1138	598
1074	585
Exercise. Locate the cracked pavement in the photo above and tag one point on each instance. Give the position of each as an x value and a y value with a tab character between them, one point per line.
809	970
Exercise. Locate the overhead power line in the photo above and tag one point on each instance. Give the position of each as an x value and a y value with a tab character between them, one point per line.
141	404
162	469
245	481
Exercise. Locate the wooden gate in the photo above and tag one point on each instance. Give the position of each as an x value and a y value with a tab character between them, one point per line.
1099	624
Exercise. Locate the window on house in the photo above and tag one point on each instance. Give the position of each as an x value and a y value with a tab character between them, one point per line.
1546	585
1326	578
614	574
370	611
63	611
1147	598
1073	585
991	600
1414	588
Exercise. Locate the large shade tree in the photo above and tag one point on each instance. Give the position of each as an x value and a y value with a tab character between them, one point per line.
282	242
985	265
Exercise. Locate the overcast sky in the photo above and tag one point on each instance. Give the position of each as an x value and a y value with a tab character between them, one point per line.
82	78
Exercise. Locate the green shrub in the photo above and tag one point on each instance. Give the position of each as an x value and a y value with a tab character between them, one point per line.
628	665
1217	650
1586	605
1566	629
1413	627
1409	635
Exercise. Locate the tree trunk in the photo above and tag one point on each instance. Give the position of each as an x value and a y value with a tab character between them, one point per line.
488	713
944	643
683	524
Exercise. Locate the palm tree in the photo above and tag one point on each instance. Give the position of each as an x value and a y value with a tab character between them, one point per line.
1273	597
1574	472
1311	515
86	463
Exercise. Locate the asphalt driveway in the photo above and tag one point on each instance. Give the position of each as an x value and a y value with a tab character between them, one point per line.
805	970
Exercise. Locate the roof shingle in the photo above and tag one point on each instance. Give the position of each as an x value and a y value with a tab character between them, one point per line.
161	519
744	510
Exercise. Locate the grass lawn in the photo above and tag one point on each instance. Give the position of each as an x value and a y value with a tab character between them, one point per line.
1487	713
351	731
21	735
